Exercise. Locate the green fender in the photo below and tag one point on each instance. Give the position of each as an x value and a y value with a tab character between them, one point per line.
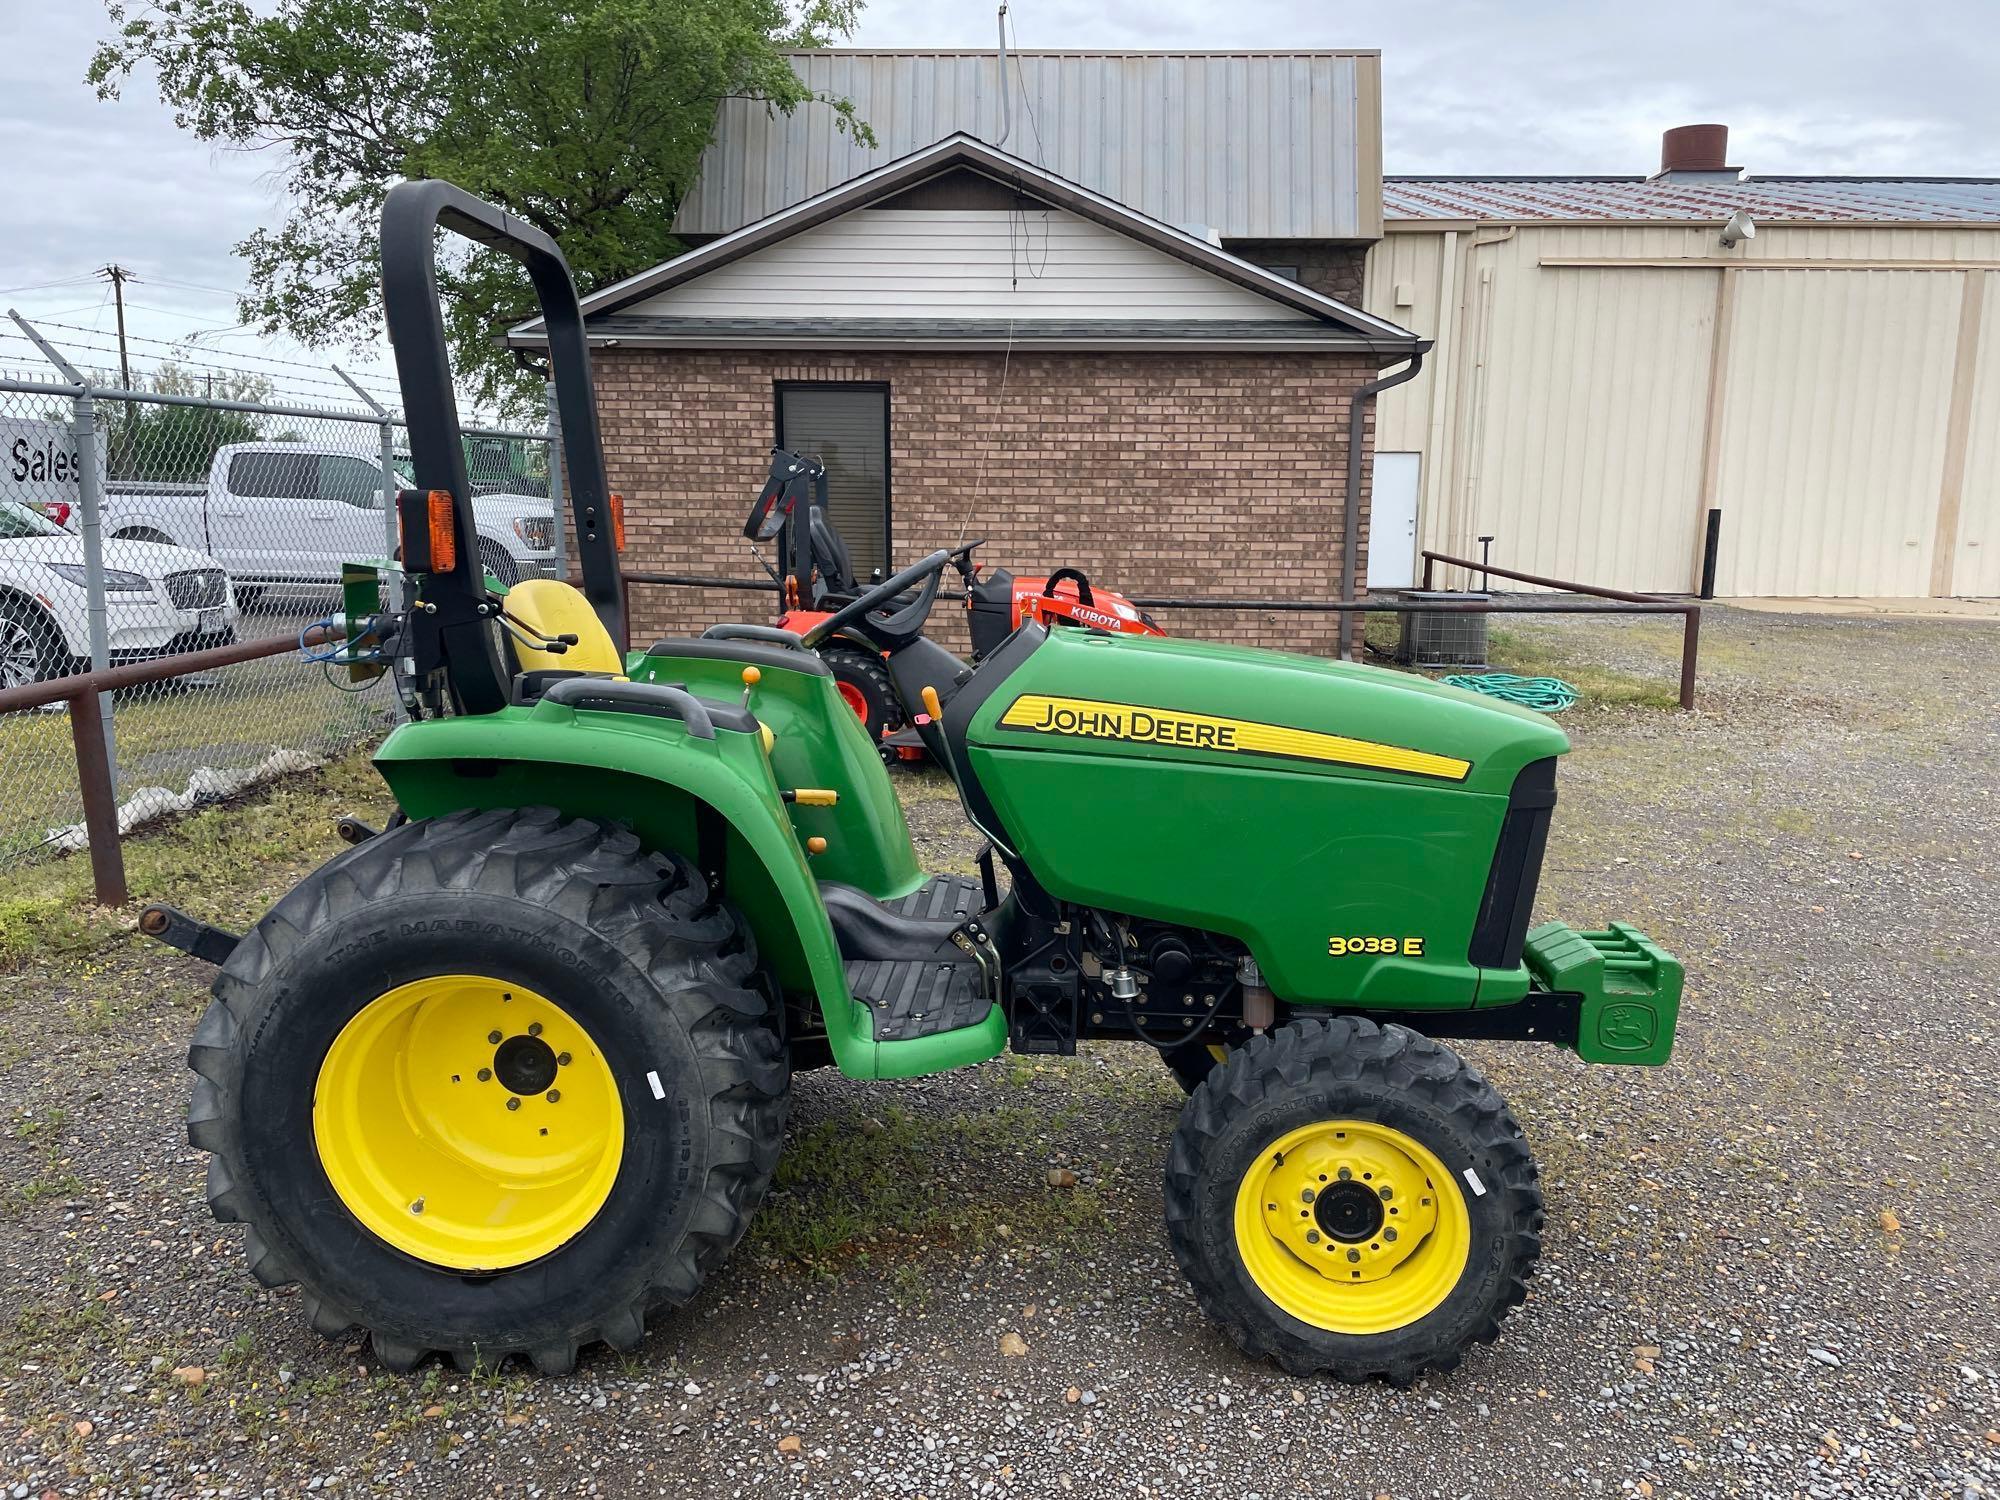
651	774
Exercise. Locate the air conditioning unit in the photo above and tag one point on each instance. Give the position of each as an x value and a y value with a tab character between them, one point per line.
1441	640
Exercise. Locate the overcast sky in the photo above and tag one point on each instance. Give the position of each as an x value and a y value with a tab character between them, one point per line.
1845	86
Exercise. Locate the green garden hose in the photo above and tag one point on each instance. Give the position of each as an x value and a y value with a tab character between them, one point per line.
1549	695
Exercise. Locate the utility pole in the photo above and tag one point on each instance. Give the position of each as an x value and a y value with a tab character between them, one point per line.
117	275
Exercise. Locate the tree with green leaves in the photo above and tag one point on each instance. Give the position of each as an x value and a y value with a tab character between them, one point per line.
586	118
172	444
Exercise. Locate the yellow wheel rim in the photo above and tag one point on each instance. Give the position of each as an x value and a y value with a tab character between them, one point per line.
470	1123
1352	1227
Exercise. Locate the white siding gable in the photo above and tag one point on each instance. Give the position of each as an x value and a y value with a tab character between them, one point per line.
962	263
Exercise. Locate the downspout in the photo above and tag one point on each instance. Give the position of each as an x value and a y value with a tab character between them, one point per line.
1350	541
1006	101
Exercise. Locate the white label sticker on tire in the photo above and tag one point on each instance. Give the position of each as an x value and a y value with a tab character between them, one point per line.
1471	1180
659	1091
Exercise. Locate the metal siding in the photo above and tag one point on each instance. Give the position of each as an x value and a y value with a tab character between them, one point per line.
1238	142
1578	441
1833	431
1586	459
932	263
1976	568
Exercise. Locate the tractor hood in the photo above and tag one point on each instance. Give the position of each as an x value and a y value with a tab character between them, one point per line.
1312	809
1184	700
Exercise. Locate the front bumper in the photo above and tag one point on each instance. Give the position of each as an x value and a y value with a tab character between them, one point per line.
1623	988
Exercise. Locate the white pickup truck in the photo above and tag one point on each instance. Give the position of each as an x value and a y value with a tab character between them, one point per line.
287	515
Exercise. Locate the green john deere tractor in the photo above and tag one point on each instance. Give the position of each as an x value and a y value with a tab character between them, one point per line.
511	1076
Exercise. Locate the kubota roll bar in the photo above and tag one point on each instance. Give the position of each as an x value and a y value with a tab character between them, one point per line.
453	628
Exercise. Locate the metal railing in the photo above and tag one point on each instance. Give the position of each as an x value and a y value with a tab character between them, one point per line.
1624	602
84	692
138	524
1618	602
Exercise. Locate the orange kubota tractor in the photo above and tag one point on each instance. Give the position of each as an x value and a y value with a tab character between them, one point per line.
816	577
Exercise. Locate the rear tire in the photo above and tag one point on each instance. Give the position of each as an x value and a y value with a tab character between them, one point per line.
864	684
671	1029
1280	1201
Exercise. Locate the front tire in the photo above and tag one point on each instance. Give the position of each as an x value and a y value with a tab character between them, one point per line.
31	647
451	1193
1352	1200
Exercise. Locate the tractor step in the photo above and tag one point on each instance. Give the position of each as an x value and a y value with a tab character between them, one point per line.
915	997
953	896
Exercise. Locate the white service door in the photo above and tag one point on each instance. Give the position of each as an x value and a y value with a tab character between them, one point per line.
1392	522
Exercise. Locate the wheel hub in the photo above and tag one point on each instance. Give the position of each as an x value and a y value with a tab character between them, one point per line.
1349	1212
468	1122
1352	1226
525	1064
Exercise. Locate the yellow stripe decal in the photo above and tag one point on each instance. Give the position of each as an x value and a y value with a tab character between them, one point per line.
1091	719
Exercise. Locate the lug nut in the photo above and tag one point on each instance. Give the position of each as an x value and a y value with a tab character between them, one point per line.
1306	1195
485	1075
554	1095
1312	1236
562	1059
534	1028
1386	1191
1344	1175
1354	1255
1389	1235
493	1037
513	1103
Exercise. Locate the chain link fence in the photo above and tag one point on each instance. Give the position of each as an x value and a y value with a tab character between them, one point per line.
135	525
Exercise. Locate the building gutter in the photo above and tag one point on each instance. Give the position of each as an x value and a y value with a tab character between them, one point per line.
1357	413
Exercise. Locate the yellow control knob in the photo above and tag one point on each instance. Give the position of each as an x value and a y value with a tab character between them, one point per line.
931	704
815	845
751	676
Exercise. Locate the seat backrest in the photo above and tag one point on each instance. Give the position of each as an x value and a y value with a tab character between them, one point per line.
830	554
550	607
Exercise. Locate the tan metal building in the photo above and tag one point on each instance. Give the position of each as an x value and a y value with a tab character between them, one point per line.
1617	357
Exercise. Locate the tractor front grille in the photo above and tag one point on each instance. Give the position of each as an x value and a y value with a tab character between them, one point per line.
198	588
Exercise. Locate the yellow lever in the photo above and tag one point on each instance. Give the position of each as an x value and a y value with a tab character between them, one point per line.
931	704
813	796
751	676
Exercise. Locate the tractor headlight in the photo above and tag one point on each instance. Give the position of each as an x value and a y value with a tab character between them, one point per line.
116	580
538	532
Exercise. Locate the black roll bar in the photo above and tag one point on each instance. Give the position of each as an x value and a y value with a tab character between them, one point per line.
411	217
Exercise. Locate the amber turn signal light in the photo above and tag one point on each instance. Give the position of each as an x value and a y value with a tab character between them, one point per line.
424	528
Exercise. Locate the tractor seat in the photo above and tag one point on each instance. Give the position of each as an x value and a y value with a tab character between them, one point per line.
550	607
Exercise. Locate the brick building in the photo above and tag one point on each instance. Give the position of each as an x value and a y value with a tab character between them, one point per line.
980	346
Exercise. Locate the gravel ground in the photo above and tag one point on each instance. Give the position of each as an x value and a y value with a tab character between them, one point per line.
1771	1267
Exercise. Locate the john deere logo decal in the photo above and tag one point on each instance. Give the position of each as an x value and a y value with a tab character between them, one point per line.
1088	718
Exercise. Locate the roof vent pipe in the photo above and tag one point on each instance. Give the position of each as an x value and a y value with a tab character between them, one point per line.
1006	99
1693	148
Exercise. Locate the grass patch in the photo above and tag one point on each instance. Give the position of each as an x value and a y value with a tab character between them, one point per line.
1527	653
166	731
223	863
845	1186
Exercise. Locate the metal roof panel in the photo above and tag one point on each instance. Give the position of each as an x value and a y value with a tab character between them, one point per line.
1913	200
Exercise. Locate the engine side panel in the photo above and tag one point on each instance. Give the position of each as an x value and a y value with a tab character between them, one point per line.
1341	821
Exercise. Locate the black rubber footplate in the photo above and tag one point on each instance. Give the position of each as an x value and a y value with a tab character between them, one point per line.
919	997
941	896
